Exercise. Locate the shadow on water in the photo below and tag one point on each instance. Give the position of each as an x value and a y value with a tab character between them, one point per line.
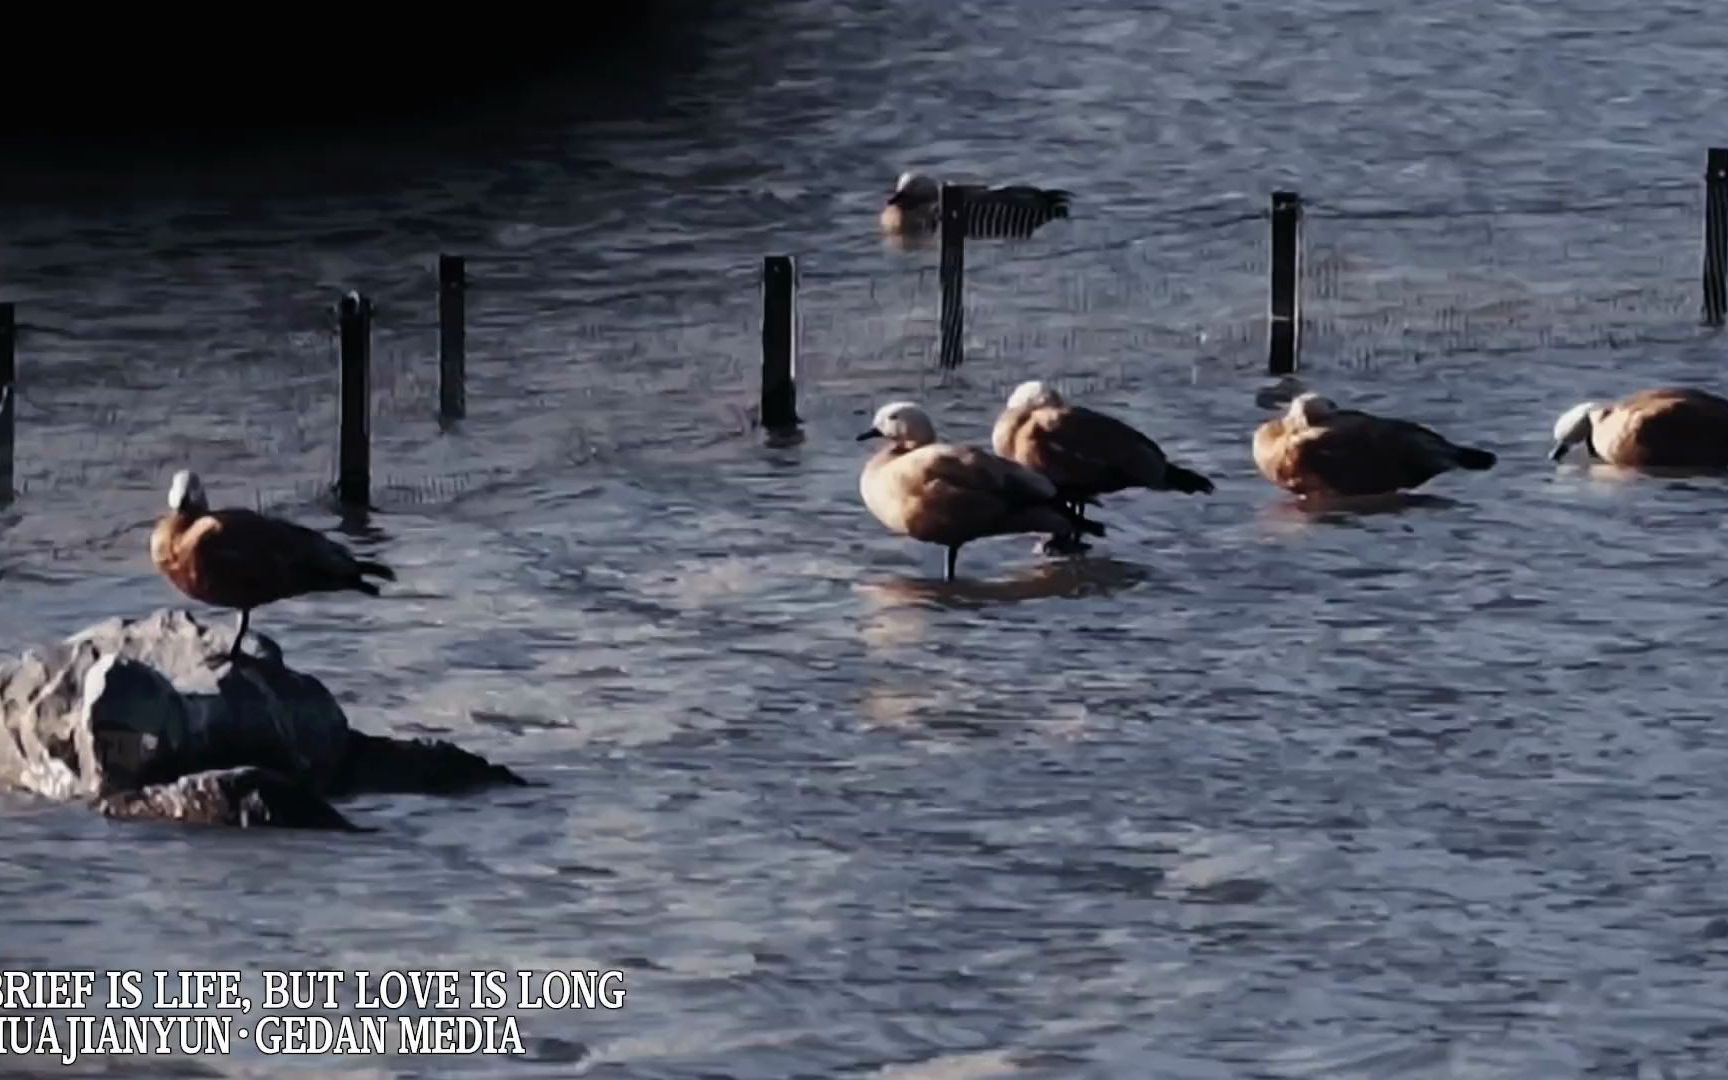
467	92
1672	478
1063	579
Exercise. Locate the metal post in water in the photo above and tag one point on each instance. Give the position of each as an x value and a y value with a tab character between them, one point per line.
354	451
1284	312
953	274
452	337
779	406
8	399
1716	236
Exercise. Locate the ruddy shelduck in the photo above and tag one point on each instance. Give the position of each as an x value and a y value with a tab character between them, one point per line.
241	559
947	494
914	209
1084	452
1662	427
1316	449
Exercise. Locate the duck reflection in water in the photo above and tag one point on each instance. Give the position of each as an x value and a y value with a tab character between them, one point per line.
1343	509
1065	579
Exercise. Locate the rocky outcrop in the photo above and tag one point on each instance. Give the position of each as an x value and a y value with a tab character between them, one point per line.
142	718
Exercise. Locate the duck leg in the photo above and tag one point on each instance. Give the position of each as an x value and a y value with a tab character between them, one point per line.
1066	543
234	655
953	556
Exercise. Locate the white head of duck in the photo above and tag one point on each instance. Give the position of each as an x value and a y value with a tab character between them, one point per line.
1034	394
186	493
914	206
902	423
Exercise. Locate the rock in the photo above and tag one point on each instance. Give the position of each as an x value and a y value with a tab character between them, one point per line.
126	703
129	715
247	797
428	766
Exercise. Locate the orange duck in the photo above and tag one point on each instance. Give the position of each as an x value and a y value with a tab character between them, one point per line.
1318	450
236	558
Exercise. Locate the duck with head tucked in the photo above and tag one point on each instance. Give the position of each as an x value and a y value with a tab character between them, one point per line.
1316	449
1085	453
1662	427
946	494
241	559
914	209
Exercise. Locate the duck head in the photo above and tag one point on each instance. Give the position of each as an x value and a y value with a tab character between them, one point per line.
1574	427
902	423
1034	394
186	493
914	190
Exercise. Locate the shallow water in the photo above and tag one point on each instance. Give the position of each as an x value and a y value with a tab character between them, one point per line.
1245	793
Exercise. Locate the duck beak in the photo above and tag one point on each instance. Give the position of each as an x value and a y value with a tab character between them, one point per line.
1558	452
897	199
871	434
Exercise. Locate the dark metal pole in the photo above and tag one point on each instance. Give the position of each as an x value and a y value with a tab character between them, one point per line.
953	274
1716	236
779	406
452	337
354	471
1284	311
8	400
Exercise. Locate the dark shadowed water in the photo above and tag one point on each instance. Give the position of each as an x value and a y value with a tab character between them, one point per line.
1245	793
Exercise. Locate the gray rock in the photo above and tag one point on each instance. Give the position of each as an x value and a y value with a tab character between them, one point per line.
128	702
129	713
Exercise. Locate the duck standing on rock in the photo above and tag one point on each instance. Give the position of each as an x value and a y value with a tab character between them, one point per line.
238	558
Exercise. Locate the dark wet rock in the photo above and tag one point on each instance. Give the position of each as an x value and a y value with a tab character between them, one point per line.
131	716
426	766
247	797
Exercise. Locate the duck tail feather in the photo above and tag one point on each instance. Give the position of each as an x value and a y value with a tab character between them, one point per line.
1187	481
1471	458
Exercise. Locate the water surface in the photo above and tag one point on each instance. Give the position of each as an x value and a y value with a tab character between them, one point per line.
1244	793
